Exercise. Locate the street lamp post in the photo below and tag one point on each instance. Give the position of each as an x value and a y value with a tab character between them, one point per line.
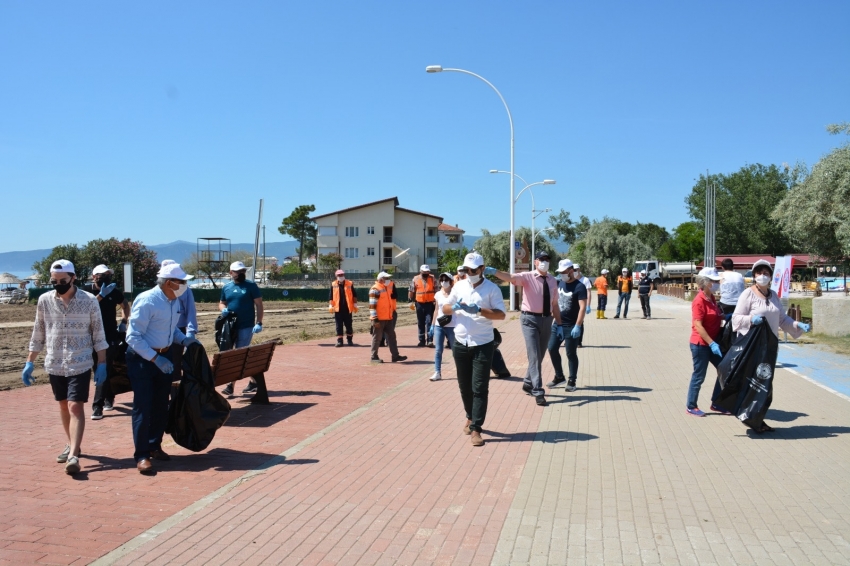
533	209
533	216
440	69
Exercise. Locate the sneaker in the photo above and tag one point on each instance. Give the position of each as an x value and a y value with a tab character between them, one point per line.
339	343
527	388
556	382
696	412
571	385
476	438
436	376
421	344
720	410
63	457
252	387
350	342
72	466
399	358
430	344
466	428
107	406
541	401
616	316
228	391
97	413
376	360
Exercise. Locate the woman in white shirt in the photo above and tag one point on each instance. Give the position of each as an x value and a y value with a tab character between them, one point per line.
439	332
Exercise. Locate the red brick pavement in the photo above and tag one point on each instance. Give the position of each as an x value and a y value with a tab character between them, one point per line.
399	482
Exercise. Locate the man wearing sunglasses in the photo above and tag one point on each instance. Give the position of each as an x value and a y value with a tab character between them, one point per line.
68	326
152	332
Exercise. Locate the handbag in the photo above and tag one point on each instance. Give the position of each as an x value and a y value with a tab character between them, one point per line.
444	320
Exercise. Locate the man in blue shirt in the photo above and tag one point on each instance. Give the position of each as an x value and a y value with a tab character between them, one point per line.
242	297
188	321
572	301
150	338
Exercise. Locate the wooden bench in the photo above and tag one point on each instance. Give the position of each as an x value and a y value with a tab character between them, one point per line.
251	361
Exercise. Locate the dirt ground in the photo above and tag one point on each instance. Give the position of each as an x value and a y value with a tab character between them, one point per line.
288	321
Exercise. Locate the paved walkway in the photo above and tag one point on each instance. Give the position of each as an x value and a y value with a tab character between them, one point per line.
357	464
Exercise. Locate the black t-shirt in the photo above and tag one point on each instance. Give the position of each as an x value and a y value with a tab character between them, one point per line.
569	294
108	305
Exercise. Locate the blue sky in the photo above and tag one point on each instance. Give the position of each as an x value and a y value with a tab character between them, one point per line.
161	121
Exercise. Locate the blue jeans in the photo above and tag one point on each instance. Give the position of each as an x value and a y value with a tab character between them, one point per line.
623	297
439	333
570	345
243	337
151	391
702	355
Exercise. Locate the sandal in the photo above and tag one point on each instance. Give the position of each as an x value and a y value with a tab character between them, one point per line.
765	428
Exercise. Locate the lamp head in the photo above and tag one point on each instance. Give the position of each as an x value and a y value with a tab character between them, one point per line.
434	69
494	170
549	182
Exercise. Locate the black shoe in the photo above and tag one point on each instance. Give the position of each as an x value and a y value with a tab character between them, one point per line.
421	344
571	385
556	382
228	391
504	375
541	401
579	345
97	413
399	358
527	388
339	343
430	344
625	317
250	388
616	316
376	360
108	405
350	342
160	455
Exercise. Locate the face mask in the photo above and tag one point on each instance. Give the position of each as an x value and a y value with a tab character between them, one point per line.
240	278
180	290
715	287
474	279
340	279
445	284
62	288
763	280
543	266
105	280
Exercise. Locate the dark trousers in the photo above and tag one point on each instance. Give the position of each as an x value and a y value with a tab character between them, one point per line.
555	355
727	309
601	302
644	305
343	319
384	328
624	297
473	373
103	392
151	390
424	314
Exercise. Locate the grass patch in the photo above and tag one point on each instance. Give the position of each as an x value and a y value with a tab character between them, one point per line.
838	344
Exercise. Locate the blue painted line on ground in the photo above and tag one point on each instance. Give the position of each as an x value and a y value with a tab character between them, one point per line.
823	367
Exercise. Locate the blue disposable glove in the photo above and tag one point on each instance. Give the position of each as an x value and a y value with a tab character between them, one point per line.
190	334
757	319
587	310
106	289
100	374
257	328
122	327
189	341
471	309
26	375
804	327
224	312
490	271
431	332
559	331
457	306
715	349
576	331
164	364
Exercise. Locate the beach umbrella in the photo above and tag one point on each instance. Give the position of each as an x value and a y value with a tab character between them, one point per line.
9	279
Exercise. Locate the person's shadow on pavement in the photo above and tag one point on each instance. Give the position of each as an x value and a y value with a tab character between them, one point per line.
803	432
580	400
547	437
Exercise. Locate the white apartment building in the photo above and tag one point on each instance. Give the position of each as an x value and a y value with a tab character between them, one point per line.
379	235
451	237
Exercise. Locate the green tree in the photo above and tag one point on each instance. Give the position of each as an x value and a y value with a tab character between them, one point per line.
743	205
816	212
607	246
111	252
298	225
329	262
652	235
449	260
71	252
565	229
686	244
496	247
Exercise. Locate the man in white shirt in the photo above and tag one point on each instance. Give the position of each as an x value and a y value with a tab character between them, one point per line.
475	302
588	284
731	286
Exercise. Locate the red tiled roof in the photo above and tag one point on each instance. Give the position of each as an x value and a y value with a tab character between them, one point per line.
449	228
746	261
395	206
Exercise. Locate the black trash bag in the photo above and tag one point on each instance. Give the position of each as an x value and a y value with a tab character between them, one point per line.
498	366
119	380
746	376
197	410
727	336
225	331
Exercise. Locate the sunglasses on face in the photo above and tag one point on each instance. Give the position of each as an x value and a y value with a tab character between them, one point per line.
178	281
60	282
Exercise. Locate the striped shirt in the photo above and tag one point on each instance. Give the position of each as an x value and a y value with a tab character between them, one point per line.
69	335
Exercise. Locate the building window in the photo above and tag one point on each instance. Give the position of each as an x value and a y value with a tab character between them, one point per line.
370	251
452	238
370	230
352	253
352	231
327	230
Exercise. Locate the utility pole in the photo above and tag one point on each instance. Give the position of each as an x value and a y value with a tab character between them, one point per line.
265	273
710	233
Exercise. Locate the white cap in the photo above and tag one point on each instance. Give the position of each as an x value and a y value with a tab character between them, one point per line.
173	271
763	262
62	266
473	260
643	272
625	270
383	275
424	267
604	272
101	269
167	262
459	268
577	267
447	274
564	265
711	273
237	266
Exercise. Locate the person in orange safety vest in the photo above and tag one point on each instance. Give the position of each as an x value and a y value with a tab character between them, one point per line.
342	302
422	290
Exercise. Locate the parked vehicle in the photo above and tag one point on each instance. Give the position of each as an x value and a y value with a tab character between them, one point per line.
660	272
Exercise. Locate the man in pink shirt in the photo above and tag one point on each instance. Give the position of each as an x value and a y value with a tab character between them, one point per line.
539	306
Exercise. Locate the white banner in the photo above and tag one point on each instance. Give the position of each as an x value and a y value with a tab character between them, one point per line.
781	283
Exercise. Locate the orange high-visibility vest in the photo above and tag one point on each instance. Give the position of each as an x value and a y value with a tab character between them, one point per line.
384	307
424	290
349	294
390	289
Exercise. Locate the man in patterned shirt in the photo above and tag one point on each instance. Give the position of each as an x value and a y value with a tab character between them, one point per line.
69	326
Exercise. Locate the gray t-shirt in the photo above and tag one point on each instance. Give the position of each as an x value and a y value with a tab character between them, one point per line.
731	287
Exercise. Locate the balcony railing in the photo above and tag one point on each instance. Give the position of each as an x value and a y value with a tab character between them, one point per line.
432	239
